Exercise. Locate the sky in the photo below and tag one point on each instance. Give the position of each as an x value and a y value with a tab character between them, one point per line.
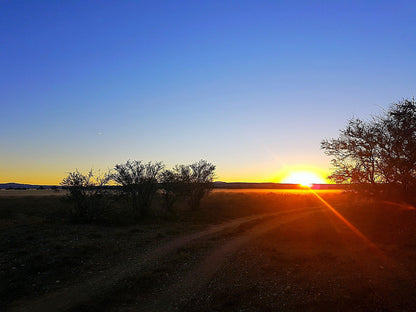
251	86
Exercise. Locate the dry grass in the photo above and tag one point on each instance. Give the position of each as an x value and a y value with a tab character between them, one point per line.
41	251
31	193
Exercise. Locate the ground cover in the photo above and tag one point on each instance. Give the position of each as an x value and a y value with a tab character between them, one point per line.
268	250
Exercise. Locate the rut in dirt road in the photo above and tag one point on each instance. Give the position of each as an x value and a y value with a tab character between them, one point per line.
316	263
75	295
188	286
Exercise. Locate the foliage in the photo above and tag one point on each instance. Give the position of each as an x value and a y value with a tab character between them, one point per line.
140	182
354	153
382	150
187	181
200	176
399	143
171	186
86	192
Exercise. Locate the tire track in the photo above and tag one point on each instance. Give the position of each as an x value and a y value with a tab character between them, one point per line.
77	294
188	286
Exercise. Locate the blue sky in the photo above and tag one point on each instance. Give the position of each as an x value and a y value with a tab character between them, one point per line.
252	86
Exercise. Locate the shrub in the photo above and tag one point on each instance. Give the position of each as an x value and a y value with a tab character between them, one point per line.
139	182
86	193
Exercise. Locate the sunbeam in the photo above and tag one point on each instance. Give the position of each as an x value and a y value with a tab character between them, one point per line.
347	223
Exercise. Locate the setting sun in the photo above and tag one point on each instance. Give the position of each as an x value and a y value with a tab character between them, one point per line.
304	178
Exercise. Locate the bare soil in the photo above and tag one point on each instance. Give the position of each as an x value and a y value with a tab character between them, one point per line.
266	252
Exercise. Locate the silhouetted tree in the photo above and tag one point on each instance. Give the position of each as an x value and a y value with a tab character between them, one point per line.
176	183
355	153
140	182
199	177
86	193
399	143
170	183
382	150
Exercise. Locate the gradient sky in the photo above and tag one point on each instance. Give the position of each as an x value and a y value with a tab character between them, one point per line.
252	86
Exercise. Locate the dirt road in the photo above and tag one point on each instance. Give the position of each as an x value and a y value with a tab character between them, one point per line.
188	285
317	263
144	261
301	259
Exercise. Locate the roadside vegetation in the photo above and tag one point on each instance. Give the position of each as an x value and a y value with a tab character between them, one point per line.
102	219
378	155
134	187
43	250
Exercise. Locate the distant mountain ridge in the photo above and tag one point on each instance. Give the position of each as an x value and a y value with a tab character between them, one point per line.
217	185
23	186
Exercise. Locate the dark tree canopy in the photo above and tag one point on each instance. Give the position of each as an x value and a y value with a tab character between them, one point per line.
191	181
137	184
86	193
201	175
399	142
382	150
139	181
354	153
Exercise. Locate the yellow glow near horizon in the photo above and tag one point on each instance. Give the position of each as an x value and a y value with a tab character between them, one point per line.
304	178
52	175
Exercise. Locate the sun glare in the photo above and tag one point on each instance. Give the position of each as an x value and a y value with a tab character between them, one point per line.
304	178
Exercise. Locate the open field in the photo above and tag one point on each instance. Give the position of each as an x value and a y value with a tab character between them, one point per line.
31	193
268	250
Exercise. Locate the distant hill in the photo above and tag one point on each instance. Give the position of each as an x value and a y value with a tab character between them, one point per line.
23	186
217	185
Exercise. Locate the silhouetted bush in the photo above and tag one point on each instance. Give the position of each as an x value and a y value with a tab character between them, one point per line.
169	181
139	182
86	194
175	185
200	176
191	182
136	186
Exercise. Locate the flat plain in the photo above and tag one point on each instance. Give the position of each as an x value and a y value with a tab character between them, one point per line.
242	250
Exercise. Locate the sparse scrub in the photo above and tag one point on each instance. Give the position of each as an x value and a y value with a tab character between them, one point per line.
36	237
190	182
86	194
200	176
139	182
170	183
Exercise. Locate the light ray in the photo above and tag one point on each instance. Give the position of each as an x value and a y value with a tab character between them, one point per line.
387	261
347	223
